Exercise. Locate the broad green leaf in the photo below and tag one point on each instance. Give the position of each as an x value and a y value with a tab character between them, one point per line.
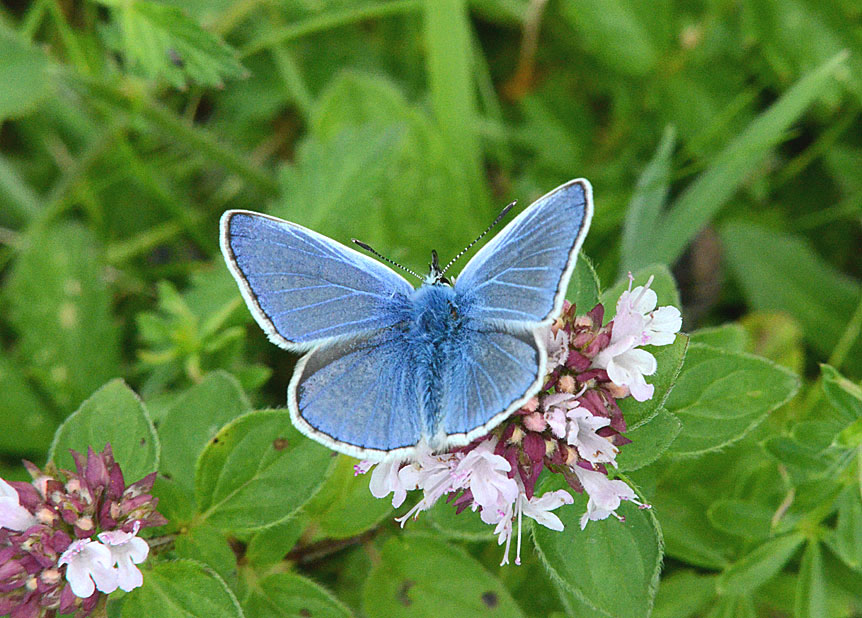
775	336
270	545
24	73
423	576
26	425
850	436
647	201
464	526
795	454
648	441
721	396
193	419
583	290
669	361
257	471
664	285
344	506
731	337
289	594
731	606
181	589
175	503
745	575
683	594
743	518
844	395
811	593
206	544
113	414
790	277
726	173
846	538
60	305
610	565
162	41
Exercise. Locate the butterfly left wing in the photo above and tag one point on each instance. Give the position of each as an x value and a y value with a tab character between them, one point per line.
305	289
359	396
491	375
521	276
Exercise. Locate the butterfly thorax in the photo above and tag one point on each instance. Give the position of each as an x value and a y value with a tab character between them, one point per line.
437	327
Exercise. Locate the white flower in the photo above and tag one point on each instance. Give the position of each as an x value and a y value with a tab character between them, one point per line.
537	508
557	345
89	566
433	474
385	479
127	550
486	476
637	322
605	495
13	516
581	434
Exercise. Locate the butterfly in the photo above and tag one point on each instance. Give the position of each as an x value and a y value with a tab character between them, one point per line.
387	366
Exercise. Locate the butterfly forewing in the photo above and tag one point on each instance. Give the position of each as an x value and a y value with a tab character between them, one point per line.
520	277
304	288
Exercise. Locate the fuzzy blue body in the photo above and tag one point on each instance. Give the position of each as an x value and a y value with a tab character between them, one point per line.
388	366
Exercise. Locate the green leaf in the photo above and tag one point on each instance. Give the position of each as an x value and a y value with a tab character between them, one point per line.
733	165
811	592
683	594
192	421
844	395
114	414
24	74
647	201
846	538
743	518
610	565
850	436
208	545
344	506
162	41
731	337
796	455
791	277
270	545
464	526
747	574
290	594
26	425
669	361
423	576
257	471
60	305
649	441
178	589
664	285
721	396
583	290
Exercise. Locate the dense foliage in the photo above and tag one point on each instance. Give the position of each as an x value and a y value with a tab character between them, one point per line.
722	141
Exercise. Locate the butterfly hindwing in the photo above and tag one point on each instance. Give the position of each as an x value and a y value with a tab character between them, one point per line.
492	374
304	288
521	275
360	397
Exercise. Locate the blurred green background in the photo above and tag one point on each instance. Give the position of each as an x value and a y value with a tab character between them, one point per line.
722	139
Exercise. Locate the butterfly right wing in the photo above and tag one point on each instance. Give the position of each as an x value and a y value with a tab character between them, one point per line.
305	289
361	396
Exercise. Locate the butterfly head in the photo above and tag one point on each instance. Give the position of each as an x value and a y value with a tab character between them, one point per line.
435	274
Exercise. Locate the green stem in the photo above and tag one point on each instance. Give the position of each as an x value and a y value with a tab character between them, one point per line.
327	21
848	338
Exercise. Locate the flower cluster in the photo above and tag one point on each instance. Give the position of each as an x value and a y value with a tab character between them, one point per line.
68	537
573	427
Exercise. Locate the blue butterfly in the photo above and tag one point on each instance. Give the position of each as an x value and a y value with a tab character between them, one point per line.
387	366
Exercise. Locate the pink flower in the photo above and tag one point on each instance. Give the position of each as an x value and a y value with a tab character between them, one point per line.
486	475
385	479
581	434
557	345
13	516
605	495
538	508
557	406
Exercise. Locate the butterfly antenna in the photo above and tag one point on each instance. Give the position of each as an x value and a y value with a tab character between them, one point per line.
481	236
368	248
